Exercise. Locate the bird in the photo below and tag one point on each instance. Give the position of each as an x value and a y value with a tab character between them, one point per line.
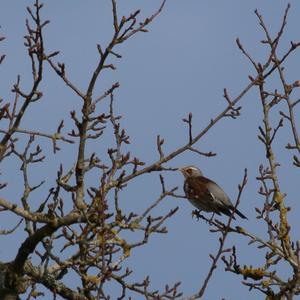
205	194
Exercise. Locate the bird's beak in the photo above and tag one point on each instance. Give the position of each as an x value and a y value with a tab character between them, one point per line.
182	171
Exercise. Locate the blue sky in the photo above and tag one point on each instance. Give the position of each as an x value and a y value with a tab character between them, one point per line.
181	65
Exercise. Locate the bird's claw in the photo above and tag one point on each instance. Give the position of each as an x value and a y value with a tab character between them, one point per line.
196	213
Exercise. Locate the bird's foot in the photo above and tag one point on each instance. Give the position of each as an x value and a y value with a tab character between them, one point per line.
196	213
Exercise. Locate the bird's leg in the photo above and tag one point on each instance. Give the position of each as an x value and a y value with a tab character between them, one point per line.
211	219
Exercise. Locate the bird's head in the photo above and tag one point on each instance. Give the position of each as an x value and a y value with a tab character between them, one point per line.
190	171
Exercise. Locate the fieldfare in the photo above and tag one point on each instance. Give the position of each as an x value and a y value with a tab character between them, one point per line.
205	194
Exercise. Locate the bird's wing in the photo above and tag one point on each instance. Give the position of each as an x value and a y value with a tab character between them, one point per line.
224	202
219	194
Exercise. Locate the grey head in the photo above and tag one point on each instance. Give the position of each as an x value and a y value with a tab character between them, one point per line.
190	171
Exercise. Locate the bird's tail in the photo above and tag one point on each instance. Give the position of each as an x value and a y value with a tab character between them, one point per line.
240	214
228	211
